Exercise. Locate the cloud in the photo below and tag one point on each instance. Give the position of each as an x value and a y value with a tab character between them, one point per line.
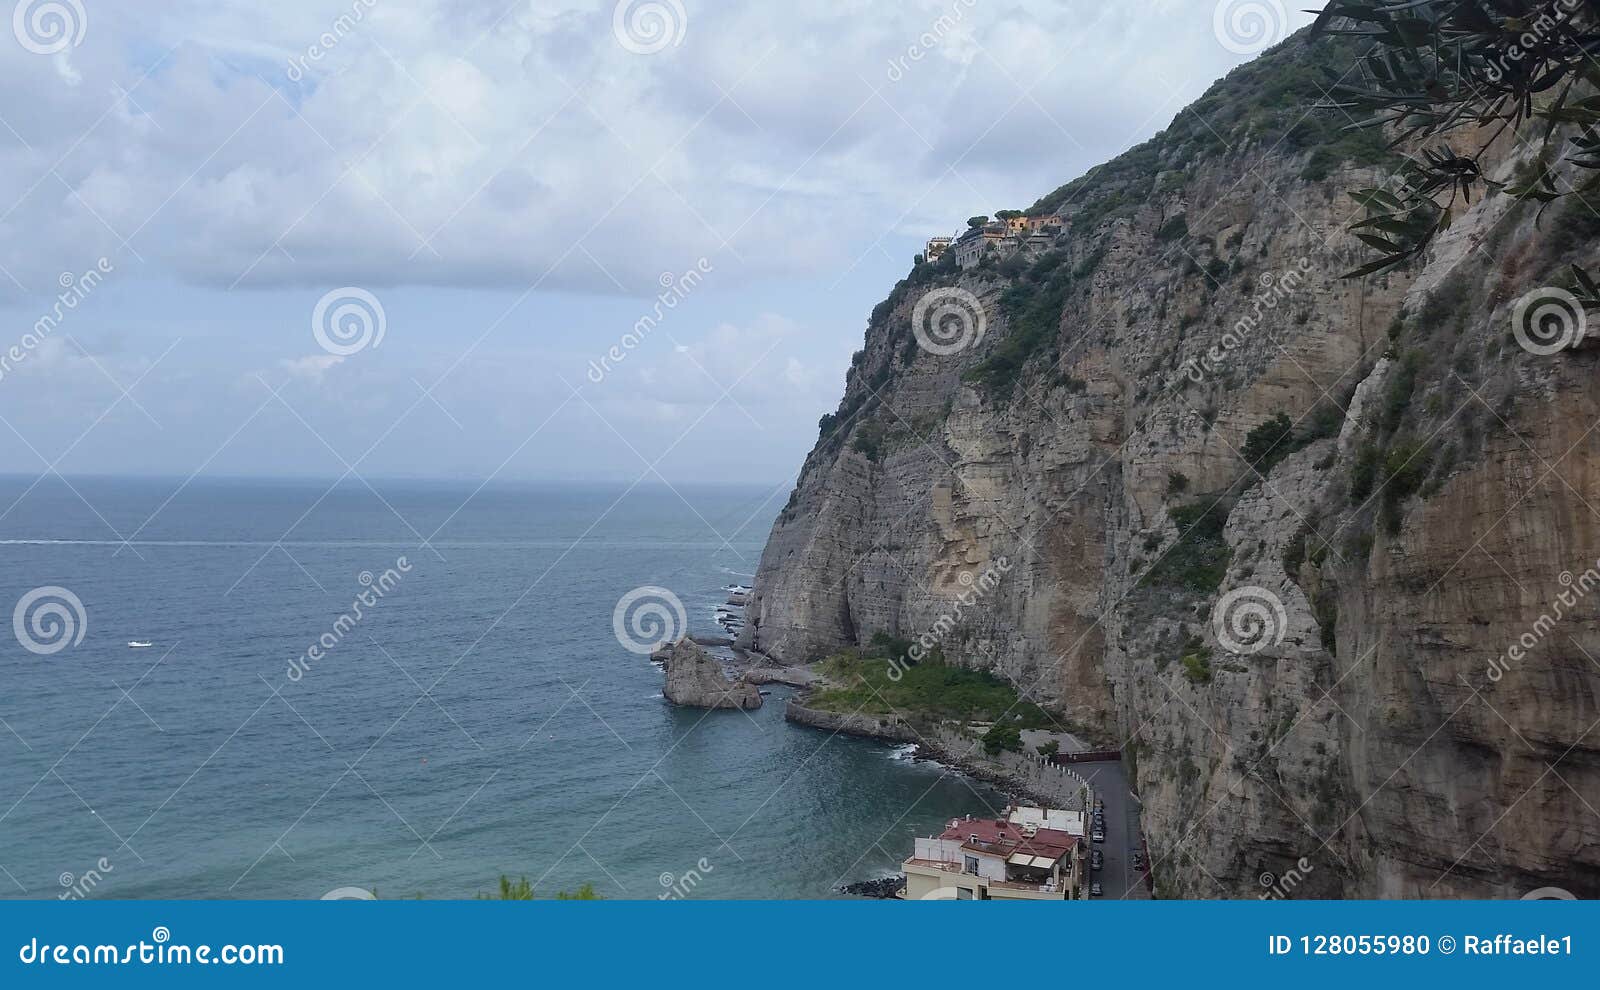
464	143
748	365
312	368
512	181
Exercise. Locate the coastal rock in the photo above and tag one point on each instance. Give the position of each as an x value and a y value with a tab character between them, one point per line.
696	680
884	889
799	677
891	728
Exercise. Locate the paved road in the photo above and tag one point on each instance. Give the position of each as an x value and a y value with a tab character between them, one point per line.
1117	877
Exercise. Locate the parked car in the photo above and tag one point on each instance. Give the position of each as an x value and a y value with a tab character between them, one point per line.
1098	836
1095	889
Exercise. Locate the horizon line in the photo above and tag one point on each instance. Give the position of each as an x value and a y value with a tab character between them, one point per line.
69	477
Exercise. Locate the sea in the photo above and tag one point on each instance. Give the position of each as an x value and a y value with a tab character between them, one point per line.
300	689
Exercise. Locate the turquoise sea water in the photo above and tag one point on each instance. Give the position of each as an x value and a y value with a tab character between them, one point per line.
480	719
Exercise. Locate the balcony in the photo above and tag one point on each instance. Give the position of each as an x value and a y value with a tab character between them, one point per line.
936	864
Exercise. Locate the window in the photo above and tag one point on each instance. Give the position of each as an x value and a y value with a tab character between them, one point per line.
963	894
970	866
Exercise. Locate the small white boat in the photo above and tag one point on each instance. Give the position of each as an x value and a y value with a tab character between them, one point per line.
139	644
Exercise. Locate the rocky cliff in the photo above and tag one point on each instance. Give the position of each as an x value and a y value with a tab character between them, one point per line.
696	680
1359	643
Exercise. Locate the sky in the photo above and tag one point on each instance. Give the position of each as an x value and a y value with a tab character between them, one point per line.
417	239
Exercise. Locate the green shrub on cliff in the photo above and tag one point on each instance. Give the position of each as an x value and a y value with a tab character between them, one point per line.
869	439
1197	667
887	647
1198	561
1032	307
1002	737
1268	443
885	685
1397	393
1336	146
1404	470
1364	472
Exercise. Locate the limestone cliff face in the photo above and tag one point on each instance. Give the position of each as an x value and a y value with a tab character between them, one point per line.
1068	501
696	680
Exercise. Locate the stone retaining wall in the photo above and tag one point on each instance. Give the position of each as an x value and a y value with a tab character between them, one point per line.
1038	778
1025	774
891	728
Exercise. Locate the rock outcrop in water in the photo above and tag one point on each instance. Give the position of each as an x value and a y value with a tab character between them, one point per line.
1409	700
696	680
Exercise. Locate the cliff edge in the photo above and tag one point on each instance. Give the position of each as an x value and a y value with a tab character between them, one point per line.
1318	554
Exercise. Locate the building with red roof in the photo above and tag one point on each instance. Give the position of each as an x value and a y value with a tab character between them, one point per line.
995	859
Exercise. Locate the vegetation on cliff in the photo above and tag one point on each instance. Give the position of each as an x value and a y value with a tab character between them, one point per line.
1198	561
1032	306
1270	103
877	681
1431	68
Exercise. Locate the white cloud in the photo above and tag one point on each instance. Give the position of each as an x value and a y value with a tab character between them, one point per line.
443	145
457	142
750	363
311	368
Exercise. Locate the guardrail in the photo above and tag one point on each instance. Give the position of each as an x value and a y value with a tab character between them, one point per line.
1091	756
